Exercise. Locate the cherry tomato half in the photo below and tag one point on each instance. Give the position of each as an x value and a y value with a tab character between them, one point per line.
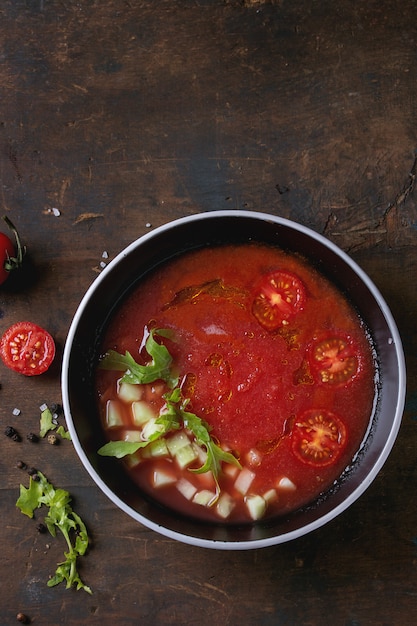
279	297
318	437
334	360
7	251
27	349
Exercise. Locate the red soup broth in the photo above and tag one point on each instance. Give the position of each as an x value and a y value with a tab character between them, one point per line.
270	355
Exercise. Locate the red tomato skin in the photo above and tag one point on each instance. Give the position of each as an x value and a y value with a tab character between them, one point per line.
27	349
7	250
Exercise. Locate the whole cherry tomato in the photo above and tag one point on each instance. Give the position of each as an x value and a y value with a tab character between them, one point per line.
10	257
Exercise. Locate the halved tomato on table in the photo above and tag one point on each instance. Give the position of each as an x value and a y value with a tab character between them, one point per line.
279	296
318	437
27	349
334	359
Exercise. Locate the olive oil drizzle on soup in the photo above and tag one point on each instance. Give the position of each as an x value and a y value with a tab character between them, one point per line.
269	355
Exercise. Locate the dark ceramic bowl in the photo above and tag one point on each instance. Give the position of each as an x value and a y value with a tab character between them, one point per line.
216	228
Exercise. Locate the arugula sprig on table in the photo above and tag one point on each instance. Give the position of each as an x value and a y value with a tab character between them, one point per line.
175	415
60	517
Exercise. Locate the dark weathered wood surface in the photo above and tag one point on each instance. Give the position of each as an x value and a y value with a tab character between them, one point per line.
127	114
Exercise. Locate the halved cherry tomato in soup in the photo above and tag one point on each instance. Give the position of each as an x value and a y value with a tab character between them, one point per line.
318	437
279	297
334	359
27	349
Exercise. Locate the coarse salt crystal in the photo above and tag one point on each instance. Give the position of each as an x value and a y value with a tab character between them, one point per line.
148	224
56	211
105	255
102	264
43	406
16	411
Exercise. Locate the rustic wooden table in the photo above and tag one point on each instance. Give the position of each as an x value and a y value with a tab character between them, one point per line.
117	116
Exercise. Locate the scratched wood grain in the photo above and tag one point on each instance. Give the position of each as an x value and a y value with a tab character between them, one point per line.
117	116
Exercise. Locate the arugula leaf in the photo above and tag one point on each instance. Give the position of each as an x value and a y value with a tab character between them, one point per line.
65	434
171	418
60	517
158	369
29	499
174	415
177	417
47	424
119	449
169	421
215	454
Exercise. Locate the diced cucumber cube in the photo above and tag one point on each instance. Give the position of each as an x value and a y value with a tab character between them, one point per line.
128	392
200	452
113	414
204	497
185	456
157	389
132	435
151	428
206	480
244	480
186	488
141	412
286	484
270	495
155	449
178	441
230	470
132	460
256	506
162	478
225	505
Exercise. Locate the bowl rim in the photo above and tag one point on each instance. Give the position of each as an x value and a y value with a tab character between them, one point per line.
286	536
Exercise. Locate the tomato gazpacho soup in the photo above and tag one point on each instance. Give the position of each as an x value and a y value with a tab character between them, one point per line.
236	383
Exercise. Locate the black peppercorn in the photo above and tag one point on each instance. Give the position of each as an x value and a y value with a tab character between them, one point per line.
22	618
11	432
32	471
21	465
41	528
55	408
32	437
36	477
